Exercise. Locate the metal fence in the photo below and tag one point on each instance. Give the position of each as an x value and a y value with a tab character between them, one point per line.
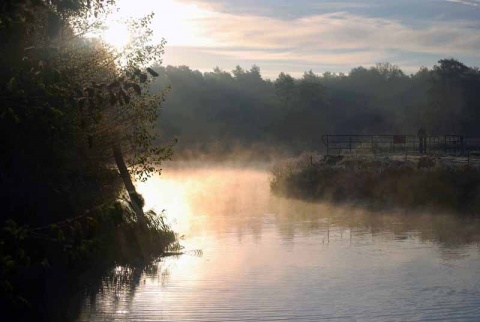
402	144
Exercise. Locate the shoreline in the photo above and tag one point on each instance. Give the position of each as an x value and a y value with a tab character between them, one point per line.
425	183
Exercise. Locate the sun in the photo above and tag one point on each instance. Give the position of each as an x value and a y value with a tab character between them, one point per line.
178	22
117	35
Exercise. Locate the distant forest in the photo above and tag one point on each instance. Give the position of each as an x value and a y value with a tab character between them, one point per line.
220	110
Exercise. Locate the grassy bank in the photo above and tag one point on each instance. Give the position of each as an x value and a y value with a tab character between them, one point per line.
426	182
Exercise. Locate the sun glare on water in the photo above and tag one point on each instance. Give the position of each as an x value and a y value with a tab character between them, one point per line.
169	195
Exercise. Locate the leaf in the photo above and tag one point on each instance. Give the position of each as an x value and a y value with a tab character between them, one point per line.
137	89
12	84
152	72
113	85
143	78
125	97
60	235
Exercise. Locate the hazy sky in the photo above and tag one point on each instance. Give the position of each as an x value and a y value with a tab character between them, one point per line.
297	35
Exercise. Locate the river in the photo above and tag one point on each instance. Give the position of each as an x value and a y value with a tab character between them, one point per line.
264	258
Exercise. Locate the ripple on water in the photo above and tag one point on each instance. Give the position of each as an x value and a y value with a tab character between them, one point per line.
271	259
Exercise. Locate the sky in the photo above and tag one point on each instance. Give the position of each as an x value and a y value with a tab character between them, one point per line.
294	36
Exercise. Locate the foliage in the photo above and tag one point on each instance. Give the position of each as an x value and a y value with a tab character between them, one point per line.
426	183
65	100
107	235
242	108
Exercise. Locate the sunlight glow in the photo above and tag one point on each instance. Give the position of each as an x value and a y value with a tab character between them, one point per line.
204	34
169	195
116	35
178	23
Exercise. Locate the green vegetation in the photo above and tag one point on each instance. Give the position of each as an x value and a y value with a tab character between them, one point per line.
215	111
78	119
426	183
74	126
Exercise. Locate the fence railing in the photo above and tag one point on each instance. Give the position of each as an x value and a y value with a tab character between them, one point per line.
407	144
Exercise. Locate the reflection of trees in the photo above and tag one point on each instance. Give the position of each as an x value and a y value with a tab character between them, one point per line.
442	229
112	296
239	200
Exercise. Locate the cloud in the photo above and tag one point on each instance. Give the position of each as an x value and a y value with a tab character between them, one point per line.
474	3
307	57
339	5
339	31
204	33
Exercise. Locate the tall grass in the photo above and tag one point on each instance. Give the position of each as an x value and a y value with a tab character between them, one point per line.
423	183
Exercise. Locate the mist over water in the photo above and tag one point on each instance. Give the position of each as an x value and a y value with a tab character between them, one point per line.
268	259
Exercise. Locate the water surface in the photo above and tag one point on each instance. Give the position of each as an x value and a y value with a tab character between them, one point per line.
271	259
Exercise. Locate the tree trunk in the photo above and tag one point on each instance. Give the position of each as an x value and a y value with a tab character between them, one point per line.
127	180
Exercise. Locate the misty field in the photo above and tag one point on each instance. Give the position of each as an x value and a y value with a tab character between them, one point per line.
425	183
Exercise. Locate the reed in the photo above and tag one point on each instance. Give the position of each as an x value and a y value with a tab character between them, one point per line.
425	182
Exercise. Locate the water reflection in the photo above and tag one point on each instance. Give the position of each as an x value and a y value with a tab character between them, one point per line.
267	258
215	200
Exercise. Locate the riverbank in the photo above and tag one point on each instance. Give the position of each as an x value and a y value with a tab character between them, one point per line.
292	255
424	183
44	268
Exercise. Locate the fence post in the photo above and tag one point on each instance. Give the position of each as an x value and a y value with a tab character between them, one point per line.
328	148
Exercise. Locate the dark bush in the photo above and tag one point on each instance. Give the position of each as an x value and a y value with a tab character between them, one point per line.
380	182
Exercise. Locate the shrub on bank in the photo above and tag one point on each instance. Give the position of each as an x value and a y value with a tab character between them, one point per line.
37	261
424	183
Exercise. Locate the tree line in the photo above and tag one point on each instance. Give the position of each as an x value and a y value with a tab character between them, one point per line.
220	109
